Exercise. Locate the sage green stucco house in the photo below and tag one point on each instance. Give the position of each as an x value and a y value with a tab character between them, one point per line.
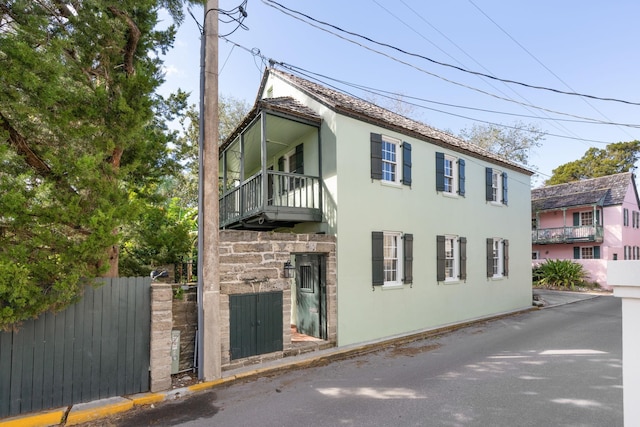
430	230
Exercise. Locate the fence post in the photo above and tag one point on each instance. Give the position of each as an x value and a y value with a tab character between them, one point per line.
161	324
625	278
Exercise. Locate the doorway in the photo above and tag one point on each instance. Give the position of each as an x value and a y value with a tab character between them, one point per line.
311	300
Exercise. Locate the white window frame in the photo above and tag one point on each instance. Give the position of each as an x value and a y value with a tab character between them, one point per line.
391	160
450	174
452	258
498	257
393	258
496	186
586	218
586	252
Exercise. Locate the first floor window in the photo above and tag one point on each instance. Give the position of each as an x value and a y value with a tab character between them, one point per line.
535	255
392	258
497	257
452	258
589	252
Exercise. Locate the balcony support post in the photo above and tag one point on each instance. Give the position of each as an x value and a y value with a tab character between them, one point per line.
263	159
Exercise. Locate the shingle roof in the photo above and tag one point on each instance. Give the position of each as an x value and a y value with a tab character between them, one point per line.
604	191
366	111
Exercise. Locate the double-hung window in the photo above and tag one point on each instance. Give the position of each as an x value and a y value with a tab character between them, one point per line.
452	258
587	252
497	257
392	258
390	160
390	157
450	174
496	186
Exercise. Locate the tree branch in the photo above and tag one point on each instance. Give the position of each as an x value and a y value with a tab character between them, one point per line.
132	42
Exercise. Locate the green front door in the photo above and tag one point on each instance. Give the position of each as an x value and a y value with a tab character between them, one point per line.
310	295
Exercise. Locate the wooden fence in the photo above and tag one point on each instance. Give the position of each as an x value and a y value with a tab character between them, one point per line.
95	349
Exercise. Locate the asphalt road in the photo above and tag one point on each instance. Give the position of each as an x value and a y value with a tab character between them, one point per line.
560	366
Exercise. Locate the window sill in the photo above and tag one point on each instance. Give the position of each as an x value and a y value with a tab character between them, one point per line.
500	204
391	184
450	195
392	286
452	282
497	278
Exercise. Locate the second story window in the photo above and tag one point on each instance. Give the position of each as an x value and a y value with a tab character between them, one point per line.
496	186
450	174
586	218
390	160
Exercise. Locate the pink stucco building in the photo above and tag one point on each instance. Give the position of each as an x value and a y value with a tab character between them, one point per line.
594	222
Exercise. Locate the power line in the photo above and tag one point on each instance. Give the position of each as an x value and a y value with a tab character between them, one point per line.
444	64
555	123
541	63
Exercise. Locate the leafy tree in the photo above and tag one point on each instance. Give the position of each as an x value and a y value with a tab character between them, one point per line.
514	142
614	158
231	111
81	139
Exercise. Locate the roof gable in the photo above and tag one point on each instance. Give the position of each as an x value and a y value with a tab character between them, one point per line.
366	111
603	191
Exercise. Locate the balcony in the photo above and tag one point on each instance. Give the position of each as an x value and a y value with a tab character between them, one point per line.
291	199
583	233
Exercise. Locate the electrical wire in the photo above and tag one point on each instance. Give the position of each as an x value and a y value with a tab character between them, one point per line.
283	8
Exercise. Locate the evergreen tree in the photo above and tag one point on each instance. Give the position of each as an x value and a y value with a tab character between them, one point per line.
82	139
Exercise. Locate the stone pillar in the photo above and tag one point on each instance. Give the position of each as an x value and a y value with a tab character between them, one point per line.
625	278
161	324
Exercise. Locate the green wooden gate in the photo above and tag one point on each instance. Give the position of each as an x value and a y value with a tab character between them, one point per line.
95	349
255	324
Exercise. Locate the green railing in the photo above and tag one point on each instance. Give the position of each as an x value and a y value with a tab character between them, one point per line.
284	190
583	233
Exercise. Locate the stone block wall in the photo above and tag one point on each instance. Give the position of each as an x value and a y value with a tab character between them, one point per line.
160	346
185	320
252	262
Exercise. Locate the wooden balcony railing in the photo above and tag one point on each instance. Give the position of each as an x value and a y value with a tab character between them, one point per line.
583	233
284	190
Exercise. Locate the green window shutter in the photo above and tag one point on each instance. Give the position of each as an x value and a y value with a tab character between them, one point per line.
576	252
505	257
598	217
488	184
625	217
439	171
408	258
299	164
376	156
406	163
489	257
281	164
596	252
576	219
377	258
463	258
461	177
505	189
440	258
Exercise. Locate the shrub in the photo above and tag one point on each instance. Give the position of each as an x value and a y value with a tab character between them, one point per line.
560	272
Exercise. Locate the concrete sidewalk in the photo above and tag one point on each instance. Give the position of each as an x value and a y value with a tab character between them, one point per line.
91	411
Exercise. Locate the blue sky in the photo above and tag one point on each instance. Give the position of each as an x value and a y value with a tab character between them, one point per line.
588	47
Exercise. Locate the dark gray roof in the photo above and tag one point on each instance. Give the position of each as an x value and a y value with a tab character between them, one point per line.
368	112
604	191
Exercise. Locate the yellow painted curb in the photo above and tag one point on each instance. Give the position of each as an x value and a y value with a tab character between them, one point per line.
44	419
206	385
146	398
90	414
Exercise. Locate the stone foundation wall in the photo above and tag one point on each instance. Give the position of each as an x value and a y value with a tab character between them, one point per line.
252	262
185	320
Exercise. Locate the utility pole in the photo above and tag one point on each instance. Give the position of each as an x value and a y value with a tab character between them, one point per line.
209	346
